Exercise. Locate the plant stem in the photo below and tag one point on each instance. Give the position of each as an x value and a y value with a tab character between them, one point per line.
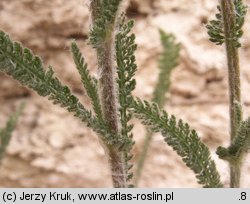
235	173
229	21
117	165
108	97
143	156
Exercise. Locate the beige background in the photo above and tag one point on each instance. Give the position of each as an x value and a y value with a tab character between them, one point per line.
51	148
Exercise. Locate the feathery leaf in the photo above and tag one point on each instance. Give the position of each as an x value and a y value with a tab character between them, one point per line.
89	82
167	62
216	27
182	139
126	67
22	65
5	133
104	23
240	144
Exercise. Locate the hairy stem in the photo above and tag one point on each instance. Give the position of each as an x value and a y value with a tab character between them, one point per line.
107	88
108	96
229	19
117	165
235	173
95	7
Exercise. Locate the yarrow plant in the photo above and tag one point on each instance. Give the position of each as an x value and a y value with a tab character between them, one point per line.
111	93
168	60
227	29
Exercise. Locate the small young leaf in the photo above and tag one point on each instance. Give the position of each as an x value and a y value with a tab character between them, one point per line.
216	27
104	22
240	144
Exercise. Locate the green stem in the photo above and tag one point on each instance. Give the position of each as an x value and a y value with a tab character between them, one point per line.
235	173
142	157
229	19
108	97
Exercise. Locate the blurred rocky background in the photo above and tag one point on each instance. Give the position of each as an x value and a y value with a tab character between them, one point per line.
51	148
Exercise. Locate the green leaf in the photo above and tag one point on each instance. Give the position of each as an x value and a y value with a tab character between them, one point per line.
28	69
6	133
167	62
89	82
240	144
104	23
216	27
126	67
182	139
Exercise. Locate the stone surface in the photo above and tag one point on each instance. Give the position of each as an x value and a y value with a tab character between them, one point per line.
51	148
